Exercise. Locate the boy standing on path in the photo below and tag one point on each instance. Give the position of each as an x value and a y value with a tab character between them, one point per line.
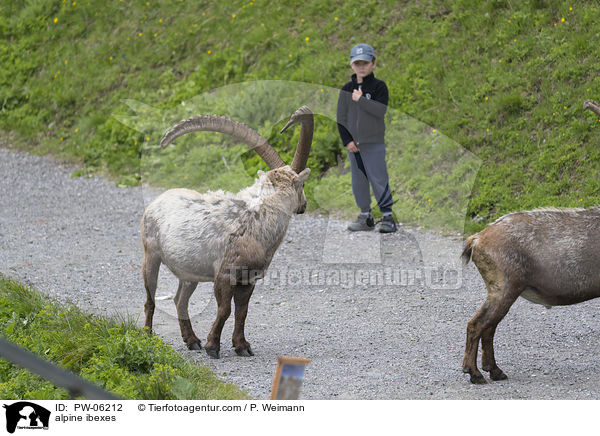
360	115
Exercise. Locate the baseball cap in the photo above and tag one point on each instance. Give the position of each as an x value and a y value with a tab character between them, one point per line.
362	52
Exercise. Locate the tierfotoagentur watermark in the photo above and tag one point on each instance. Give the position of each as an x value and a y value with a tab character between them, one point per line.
434	278
432	187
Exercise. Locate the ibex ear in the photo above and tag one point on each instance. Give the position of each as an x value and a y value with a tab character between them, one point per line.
303	175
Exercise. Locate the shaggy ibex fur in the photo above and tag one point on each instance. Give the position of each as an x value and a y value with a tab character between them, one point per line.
592	106
225	238
547	256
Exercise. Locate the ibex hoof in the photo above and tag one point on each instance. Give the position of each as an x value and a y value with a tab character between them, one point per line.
212	352
497	374
244	352
195	346
477	379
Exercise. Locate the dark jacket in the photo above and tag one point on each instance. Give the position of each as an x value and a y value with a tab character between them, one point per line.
362	121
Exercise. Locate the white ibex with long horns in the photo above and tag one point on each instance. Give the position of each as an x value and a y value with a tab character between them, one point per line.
547	256
220	237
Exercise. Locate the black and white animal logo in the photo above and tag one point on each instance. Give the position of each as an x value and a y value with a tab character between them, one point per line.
26	415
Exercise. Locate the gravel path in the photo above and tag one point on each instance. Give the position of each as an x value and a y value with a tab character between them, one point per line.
370	310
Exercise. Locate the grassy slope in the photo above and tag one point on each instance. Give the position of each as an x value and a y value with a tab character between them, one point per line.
506	80
114	355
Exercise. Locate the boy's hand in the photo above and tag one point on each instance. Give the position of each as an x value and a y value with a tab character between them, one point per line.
351	146
356	94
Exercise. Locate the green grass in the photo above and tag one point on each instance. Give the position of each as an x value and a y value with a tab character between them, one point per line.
503	80
116	356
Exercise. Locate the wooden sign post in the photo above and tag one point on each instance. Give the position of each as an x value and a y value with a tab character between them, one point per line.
288	378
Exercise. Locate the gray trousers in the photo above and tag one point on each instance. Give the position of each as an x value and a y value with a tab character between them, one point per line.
368	167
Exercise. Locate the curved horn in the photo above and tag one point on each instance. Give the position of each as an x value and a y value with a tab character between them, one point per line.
593	106
305	117
239	131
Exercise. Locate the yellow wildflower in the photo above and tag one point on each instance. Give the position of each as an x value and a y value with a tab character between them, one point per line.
307	38
56	20
562	20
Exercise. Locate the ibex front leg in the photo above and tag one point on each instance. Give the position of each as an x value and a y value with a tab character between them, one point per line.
223	295
241	296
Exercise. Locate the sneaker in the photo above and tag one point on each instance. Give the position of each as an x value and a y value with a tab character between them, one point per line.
388	225
362	223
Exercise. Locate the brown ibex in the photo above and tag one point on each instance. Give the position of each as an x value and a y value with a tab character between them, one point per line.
220	237
547	256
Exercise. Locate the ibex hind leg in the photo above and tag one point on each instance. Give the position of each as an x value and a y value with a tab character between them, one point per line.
182	300
484	322
150	268
488	361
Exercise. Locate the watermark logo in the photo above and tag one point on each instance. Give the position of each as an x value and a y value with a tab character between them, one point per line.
432	179
435	278
26	415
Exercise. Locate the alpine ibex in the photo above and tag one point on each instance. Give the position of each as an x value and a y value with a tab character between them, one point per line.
547	256
225	238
